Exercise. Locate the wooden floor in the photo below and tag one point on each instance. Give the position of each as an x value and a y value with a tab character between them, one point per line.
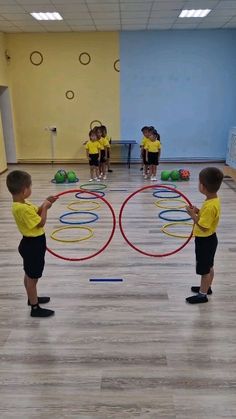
127	350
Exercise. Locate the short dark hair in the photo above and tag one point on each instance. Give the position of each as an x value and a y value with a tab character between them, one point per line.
92	131
17	180
145	129
211	178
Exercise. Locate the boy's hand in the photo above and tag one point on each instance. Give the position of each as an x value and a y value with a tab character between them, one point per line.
52	199
192	212
47	204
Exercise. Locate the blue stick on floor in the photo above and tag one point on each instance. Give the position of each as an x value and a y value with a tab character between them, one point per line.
106	280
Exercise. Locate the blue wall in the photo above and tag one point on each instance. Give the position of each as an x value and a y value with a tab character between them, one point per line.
182	82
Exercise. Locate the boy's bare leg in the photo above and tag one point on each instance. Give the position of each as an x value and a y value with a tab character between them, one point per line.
97	171
31	289
205	283
91	172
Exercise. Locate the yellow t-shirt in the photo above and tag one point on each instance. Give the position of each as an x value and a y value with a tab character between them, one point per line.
153	146
144	142
209	216
109	140
93	147
27	218
104	143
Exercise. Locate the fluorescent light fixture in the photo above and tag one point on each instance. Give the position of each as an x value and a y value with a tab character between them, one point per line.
47	16
195	13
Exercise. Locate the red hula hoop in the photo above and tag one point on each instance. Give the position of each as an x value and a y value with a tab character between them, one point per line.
131	244
109	239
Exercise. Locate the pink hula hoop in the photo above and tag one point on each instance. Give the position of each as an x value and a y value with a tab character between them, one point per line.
109	239
135	247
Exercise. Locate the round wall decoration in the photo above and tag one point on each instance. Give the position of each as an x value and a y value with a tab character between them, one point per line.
70	94
84	58
95	123
36	58
116	65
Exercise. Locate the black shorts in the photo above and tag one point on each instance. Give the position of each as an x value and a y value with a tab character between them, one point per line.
32	250
103	156
153	158
205	248
108	153
93	159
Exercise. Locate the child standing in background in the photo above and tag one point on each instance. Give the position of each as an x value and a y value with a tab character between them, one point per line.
93	148
106	136
152	149
144	141
104	144
30	221
205	224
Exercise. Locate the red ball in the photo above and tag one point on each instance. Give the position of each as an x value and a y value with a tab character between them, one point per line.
184	174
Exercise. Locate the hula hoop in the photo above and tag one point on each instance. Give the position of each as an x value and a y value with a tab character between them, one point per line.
100	187
135	247
158	203
179	236
163	184
61	219
109	238
99	194
157	193
95	206
171	219
70	240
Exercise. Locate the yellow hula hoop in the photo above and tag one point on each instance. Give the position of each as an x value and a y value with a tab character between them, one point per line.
90	230
180	236
157	203
94	205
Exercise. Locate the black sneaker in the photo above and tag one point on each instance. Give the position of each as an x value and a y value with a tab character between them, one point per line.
197	289
110	171
197	299
41	312
41	300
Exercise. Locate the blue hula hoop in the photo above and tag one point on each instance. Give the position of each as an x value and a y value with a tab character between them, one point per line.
78	222
79	195
156	194
172	219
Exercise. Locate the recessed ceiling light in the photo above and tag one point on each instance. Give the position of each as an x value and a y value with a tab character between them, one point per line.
47	16
195	13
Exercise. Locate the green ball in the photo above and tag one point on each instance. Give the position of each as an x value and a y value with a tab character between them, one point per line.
60	176
165	174
71	177
175	175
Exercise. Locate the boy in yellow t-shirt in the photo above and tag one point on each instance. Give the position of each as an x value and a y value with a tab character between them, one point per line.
30	221
153	148
144	141
104	145
108	148
93	148
205	224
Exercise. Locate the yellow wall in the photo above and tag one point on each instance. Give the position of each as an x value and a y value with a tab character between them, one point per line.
3	82
38	92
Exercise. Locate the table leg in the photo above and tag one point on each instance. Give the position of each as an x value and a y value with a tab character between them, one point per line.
129	156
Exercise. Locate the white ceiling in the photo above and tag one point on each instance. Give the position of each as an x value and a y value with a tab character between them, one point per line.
113	15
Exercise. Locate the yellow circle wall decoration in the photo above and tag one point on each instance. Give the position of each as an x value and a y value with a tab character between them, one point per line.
36	58
116	65
94	123
70	94
84	58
